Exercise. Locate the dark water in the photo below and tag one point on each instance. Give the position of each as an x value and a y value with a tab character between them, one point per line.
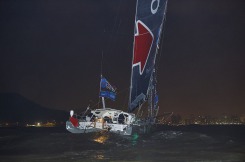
192	143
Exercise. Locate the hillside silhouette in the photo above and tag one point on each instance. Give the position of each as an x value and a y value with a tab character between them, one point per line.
16	108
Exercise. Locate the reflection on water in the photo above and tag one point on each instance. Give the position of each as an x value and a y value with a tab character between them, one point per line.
109	138
135	138
99	157
101	137
163	145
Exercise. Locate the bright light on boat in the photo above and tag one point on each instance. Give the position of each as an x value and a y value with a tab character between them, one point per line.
71	113
99	120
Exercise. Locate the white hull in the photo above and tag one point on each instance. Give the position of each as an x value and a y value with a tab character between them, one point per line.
111	120
88	127
122	129
107	119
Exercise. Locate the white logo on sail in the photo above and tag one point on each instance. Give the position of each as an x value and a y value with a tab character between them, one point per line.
154	10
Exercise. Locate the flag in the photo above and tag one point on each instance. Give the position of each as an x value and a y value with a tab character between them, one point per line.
104	84
107	90
107	94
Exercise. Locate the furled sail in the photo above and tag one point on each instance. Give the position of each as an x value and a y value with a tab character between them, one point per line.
149	21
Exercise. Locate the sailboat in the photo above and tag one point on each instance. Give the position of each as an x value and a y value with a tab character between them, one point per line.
149	21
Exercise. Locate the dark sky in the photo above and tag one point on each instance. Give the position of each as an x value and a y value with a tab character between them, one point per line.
51	53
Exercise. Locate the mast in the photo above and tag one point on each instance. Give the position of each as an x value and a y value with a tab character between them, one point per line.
101	76
103	102
102	97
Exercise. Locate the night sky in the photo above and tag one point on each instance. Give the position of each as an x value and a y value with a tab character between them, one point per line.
51	53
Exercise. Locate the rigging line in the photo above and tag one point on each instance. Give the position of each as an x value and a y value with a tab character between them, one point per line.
161	39
161	44
101	63
120	92
101	71
126	99
97	104
119	25
114	28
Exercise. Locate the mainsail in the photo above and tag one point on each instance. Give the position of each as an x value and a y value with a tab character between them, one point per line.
149	19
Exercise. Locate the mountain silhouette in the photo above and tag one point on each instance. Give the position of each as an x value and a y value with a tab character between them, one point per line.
16	108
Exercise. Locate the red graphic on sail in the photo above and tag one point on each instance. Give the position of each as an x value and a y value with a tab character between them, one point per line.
142	45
